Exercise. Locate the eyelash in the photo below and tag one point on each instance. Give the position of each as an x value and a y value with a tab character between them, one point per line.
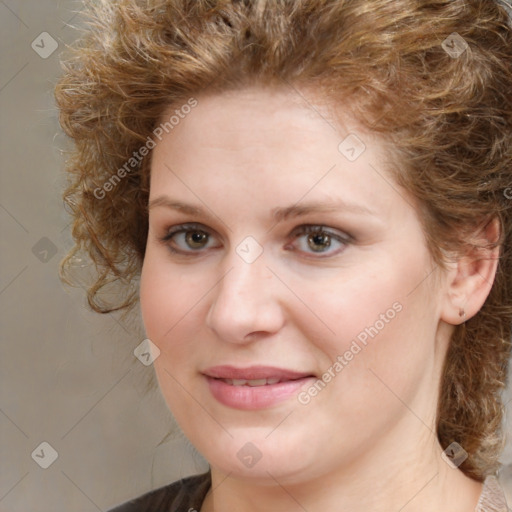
305	229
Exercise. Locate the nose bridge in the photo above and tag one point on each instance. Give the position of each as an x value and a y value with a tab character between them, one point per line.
244	302
244	283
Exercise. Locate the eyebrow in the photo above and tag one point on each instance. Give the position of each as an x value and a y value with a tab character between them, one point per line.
278	214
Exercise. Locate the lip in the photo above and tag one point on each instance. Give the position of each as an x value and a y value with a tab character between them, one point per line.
253	372
254	397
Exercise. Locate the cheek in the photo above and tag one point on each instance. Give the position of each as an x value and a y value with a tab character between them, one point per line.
164	304
385	336
172	306
165	296
154	297
382	317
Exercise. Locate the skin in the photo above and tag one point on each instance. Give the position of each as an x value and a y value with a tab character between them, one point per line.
367	440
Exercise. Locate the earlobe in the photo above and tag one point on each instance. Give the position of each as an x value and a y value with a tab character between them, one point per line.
470	280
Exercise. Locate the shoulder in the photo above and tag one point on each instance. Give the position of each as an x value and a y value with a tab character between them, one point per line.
185	494
492	498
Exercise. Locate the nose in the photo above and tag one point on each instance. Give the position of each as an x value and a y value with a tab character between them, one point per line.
245	302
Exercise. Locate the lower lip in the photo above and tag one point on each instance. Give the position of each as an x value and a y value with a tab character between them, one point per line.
254	397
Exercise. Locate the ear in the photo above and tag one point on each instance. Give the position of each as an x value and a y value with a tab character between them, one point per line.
470	279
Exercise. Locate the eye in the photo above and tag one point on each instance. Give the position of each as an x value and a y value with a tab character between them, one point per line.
319	240
192	237
188	237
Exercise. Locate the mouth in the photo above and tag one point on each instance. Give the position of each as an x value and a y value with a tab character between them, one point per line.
254	374
255	387
252	382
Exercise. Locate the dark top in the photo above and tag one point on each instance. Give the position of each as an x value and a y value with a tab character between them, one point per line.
186	495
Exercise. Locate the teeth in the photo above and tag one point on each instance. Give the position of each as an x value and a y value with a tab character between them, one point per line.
257	382
250	382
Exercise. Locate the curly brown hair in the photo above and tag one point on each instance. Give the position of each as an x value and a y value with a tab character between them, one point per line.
447	113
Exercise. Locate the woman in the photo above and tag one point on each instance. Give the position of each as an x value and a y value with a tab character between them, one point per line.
316	196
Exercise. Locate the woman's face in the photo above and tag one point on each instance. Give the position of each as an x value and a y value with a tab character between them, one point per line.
243	292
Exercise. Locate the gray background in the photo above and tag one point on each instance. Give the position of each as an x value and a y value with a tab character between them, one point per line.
68	376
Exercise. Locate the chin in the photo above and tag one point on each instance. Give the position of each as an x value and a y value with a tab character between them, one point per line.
248	454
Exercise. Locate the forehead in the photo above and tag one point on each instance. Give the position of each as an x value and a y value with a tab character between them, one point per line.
263	142
275	127
245	117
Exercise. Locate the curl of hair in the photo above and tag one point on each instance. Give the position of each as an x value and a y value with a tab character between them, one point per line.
450	120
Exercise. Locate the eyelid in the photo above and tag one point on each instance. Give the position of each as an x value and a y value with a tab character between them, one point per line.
313	228
297	230
186	226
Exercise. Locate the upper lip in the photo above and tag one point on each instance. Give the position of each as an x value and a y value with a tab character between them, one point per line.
253	373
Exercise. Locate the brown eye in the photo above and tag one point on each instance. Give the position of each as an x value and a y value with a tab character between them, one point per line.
196	239
319	240
186	238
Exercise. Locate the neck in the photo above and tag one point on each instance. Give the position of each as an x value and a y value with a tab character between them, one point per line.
377	482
